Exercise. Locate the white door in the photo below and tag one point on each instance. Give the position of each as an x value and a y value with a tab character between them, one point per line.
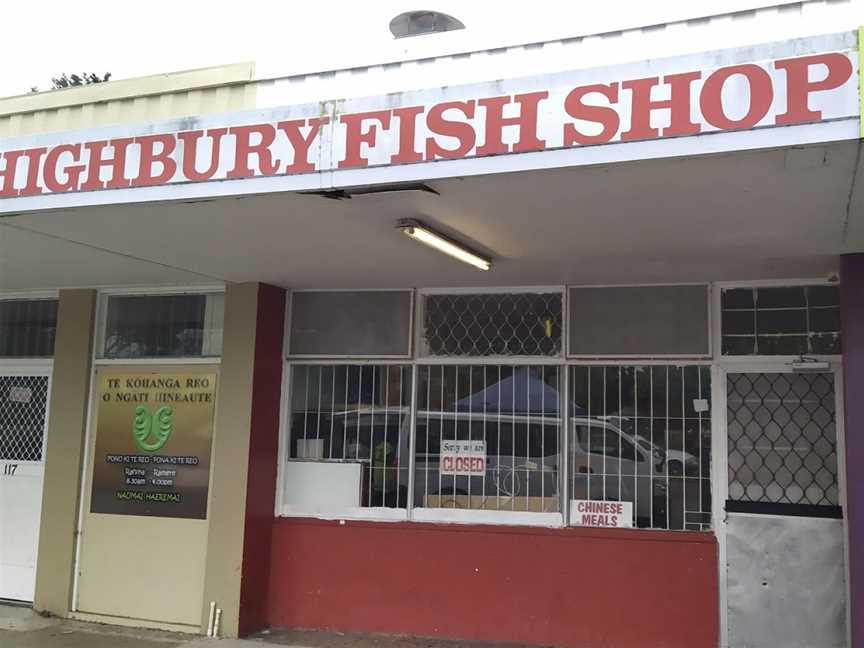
784	535
23	418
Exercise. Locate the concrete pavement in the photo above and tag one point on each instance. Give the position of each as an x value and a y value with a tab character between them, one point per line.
20	627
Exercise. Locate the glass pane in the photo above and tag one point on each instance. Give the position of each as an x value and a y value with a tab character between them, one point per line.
825	319
739	298
156	326
786	321
782	321
27	327
487	438
739	322
357	416
781	297
782	345
782	438
827	343
823	296
506	324
642	434
23	406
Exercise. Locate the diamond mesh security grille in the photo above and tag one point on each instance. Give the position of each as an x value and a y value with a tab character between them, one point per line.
782	438
500	324
23	404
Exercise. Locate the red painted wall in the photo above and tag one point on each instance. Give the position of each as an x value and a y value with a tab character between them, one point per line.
263	453
586	588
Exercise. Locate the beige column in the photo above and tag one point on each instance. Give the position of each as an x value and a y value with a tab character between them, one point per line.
230	455
245	444
64	452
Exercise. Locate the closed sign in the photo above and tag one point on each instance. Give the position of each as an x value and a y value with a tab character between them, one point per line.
463	458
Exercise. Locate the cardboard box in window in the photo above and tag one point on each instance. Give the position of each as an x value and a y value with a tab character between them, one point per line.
493	503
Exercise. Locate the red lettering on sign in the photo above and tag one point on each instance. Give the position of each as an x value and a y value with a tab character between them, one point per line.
244	149
678	106
526	122
799	87
462	131
117	164
149	157
761	95
407	118
451	129
73	171
301	144
34	156
7	174
190	141
606	116
355	136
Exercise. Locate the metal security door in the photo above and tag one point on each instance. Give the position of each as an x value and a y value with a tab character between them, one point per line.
23	416
784	535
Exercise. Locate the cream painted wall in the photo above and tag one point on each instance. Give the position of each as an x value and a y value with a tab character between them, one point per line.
231	457
64	451
136	567
143	568
164	572
194	92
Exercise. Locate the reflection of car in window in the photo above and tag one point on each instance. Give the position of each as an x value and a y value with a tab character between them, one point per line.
680	462
606	464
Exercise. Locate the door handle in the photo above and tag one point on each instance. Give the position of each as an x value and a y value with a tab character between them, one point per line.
585	470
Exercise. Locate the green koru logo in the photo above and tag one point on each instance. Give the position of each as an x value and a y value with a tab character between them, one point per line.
157	426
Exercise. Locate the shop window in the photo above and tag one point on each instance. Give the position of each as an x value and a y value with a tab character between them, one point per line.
488	438
339	323
796	320
23	407
642	435
782	439
348	438
639	321
27	327
163	326
495	324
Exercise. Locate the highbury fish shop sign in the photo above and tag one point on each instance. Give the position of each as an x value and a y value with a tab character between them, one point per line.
453	131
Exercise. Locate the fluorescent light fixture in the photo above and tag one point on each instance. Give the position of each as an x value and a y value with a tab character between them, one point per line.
433	239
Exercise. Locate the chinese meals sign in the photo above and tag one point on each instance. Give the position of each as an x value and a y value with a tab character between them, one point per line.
153	435
601	513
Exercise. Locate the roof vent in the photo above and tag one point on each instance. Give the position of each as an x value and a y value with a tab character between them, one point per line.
418	23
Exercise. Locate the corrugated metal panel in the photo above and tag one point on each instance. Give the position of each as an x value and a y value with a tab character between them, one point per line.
197	92
27	115
740	29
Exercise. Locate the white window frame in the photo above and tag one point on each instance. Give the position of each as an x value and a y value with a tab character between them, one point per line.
102	315
724	364
759	359
37	362
379	514
465	516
